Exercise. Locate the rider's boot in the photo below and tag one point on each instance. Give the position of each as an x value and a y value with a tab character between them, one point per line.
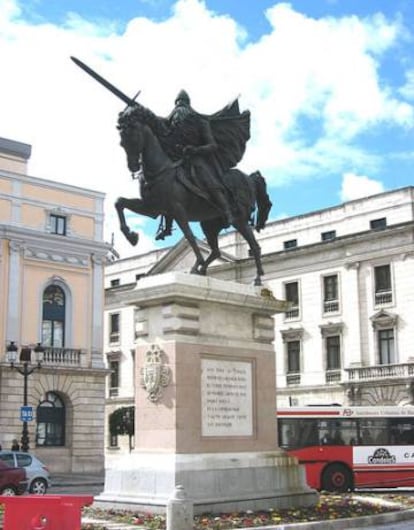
223	204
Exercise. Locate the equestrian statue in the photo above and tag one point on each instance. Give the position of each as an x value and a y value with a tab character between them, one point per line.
185	165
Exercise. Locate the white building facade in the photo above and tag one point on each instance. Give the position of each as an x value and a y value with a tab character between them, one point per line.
347	272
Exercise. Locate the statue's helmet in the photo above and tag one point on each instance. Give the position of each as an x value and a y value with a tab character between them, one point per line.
182	96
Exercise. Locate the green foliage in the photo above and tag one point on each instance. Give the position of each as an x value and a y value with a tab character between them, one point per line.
121	421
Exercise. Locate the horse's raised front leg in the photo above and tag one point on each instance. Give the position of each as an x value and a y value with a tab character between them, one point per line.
134	205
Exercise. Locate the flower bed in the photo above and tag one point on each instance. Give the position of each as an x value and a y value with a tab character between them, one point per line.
329	507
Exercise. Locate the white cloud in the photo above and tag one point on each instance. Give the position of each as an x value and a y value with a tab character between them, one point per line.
357	186
325	70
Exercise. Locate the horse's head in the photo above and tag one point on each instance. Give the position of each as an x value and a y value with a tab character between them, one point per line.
131	132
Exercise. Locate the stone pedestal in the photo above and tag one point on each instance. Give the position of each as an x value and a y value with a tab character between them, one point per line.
205	401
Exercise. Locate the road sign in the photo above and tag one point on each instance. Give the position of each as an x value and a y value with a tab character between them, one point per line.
26	413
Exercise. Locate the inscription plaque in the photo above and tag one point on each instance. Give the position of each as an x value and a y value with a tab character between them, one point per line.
226	398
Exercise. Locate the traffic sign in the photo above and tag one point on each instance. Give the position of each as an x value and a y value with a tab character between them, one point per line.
26	413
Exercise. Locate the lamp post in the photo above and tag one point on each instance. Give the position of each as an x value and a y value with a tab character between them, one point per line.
25	370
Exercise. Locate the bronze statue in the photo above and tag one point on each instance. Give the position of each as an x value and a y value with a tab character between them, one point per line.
185	165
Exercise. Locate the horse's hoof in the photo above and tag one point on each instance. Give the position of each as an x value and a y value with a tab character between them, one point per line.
133	238
198	271
258	281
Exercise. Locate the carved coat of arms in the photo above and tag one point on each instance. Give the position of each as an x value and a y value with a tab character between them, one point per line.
154	374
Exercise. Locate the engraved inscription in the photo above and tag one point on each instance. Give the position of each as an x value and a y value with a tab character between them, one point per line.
226	398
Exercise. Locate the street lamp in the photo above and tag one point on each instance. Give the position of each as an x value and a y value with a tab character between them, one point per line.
25	370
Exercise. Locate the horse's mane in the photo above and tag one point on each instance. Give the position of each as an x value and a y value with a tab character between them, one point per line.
131	115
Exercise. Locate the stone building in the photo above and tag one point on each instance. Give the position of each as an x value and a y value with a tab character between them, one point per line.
347	271
52	258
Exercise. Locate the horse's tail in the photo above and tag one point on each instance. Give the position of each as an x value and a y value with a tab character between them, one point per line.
264	204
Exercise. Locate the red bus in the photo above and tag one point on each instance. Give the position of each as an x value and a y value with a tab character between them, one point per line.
343	448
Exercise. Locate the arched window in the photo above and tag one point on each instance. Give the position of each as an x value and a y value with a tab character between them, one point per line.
53	317
50	416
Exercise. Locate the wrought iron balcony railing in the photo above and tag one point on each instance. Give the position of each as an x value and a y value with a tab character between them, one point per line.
333	376
293	379
293	313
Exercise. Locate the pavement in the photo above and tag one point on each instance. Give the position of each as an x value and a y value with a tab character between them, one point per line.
77	479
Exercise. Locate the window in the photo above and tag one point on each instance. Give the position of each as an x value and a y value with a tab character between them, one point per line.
113	440
53	317
292	339
115	283
292	243
114	327
58	224
114	378
50	416
293	356
328	236
378	224
330	294
292	296
333	352
383	288
386	346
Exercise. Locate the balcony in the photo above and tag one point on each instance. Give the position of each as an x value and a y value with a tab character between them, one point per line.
293	313
293	379
62	357
383	297
331	306
332	376
381	371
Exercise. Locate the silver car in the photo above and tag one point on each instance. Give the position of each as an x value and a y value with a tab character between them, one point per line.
37	473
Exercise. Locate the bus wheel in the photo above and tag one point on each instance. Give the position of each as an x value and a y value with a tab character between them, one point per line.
337	477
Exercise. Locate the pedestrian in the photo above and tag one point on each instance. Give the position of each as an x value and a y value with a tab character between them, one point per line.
15	445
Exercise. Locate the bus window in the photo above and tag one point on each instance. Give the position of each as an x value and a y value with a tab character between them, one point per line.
294	434
375	431
334	432
402	431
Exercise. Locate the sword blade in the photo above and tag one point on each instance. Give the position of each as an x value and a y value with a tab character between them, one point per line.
103	81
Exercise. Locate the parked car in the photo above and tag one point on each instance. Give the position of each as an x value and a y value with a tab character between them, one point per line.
37	473
12	481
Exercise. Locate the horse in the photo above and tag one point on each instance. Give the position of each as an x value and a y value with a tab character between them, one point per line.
166	189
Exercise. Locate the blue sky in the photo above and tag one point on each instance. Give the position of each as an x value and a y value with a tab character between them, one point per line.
329	83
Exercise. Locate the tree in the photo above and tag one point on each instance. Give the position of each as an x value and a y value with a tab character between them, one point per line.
121	422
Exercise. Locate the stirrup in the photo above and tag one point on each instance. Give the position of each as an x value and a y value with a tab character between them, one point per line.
162	234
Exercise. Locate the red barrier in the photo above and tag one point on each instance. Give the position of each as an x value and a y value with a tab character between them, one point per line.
44	512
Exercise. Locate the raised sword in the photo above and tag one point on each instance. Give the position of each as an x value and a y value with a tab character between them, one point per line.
129	101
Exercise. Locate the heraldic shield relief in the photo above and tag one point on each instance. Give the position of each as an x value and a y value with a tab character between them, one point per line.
154	374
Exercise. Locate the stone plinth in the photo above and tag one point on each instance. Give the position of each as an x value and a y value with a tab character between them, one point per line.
205	401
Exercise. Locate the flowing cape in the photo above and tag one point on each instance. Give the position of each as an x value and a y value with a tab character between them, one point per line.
231	131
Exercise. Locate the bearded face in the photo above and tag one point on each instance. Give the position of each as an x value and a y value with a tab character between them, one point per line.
180	113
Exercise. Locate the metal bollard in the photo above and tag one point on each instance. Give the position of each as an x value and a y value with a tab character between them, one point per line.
180	510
